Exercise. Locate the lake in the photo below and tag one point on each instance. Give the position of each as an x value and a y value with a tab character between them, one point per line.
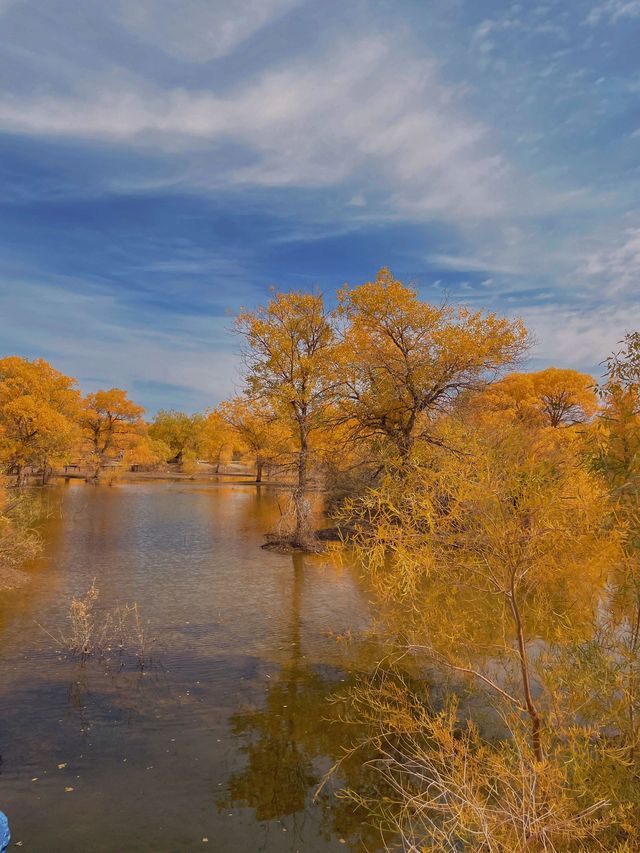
221	742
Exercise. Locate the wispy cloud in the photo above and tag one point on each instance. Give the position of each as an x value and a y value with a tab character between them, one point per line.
197	30
616	266
95	337
464	264
302	143
319	121
614	11
578	336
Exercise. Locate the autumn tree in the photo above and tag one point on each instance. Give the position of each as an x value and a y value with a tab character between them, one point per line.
182	433
216	439
617	433
18	541
147	452
614	444
508	533
111	424
257	430
553	397
289	357
404	362
39	407
483	558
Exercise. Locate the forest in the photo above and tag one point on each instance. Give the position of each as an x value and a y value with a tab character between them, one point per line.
492	512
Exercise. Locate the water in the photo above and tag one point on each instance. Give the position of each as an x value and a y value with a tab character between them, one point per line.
227	735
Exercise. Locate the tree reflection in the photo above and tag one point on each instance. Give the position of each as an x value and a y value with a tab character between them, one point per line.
292	740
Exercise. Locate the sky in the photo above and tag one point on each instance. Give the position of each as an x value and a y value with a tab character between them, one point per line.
165	162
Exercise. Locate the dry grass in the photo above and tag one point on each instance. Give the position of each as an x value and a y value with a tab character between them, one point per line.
286	536
442	787
105	634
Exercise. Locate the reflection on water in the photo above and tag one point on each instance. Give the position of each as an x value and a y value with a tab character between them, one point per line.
228	735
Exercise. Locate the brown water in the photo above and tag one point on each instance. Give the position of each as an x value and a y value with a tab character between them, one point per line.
227	734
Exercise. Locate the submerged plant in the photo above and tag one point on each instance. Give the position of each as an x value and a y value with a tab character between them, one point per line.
104	633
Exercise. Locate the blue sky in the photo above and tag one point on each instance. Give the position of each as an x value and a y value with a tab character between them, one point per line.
163	162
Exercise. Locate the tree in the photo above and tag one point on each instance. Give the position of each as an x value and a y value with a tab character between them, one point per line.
506	543
38	411
551	397
148	452
615	455
112	424
404	362
257	430
217	439
18	541
289	358
182	433
490	562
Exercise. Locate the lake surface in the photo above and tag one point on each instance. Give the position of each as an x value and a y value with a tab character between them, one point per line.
227	734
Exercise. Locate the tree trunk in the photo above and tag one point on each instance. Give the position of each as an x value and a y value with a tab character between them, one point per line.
532	711
300	491
259	468
405	446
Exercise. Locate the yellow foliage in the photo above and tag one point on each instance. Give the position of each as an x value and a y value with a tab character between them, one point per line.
38	411
179	432
112	425
290	359
551	397
257	430
403	361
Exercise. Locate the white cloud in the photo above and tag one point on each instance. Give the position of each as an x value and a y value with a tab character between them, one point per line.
197	30
358	113
104	342
465	264
614	11
617	265
576	337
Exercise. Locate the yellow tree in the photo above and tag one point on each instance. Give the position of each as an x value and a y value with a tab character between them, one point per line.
39	407
216	439
617	432
289	357
18	541
111	424
615	454
181	432
148	452
404	361
553	397
500	546
257	430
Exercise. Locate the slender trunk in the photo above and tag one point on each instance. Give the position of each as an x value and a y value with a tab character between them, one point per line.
405	446
259	467
20	476
534	714
98	454
46	472
633	678
300	491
